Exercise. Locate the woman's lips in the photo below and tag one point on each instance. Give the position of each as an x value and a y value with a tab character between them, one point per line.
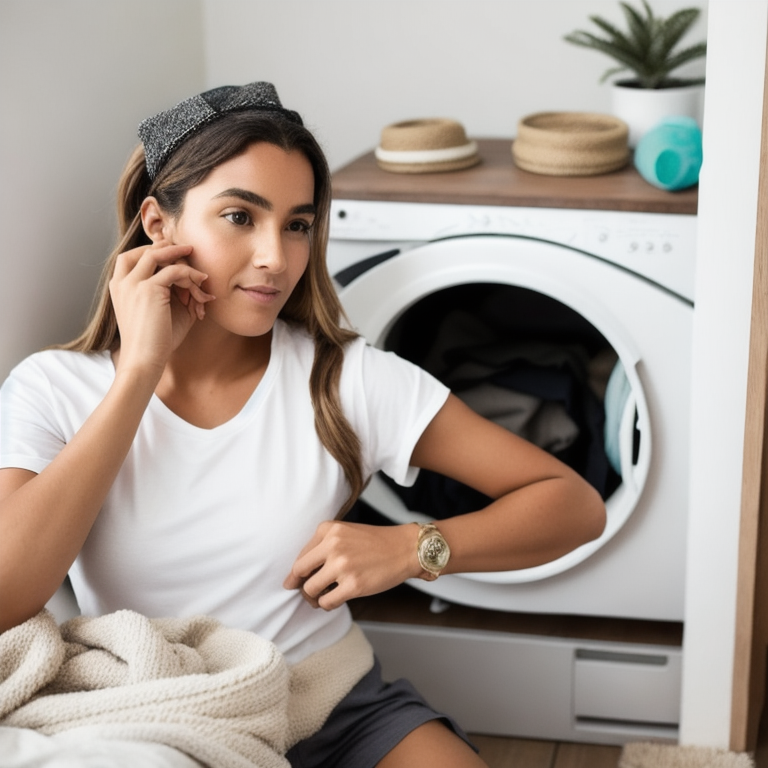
263	294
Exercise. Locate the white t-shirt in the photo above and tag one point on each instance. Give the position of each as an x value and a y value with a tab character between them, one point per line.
210	521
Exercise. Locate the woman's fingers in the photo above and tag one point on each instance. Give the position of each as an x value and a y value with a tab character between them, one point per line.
347	560
157	297
182	276
194	308
165	266
147	258
308	562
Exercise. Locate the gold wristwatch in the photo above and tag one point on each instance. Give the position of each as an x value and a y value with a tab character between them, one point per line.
433	551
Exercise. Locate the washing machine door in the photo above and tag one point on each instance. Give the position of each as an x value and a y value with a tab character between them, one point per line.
598	291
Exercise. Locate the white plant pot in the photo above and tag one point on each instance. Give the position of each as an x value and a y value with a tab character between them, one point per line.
643	108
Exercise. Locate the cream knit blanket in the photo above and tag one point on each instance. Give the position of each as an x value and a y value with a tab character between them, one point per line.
224	696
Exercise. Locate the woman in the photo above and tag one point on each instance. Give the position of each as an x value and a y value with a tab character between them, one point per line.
194	450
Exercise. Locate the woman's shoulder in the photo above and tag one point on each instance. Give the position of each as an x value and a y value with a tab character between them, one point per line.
55	364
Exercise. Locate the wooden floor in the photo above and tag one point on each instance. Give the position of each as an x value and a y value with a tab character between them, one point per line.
528	753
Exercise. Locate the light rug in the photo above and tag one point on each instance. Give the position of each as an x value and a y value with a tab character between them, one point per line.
649	755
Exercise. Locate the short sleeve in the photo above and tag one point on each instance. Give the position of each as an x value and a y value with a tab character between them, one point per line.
393	402
31	433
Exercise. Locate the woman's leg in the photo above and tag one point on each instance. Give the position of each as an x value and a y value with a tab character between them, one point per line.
432	745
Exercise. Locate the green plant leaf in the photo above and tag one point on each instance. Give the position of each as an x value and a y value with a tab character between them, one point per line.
589	40
611	72
639	28
686	55
648	47
677	25
617	38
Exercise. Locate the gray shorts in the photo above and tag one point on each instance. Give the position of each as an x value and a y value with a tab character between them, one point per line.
367	724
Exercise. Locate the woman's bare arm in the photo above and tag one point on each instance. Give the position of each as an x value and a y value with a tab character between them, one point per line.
542	508
541	511
46	517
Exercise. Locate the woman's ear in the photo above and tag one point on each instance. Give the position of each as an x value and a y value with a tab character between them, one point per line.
155	221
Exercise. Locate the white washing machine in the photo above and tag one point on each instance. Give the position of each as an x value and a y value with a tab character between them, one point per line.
602	265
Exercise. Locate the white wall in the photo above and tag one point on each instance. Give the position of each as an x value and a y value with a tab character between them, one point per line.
727	221
353	66
76	77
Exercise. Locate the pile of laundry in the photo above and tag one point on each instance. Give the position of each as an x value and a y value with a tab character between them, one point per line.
217	696
548	387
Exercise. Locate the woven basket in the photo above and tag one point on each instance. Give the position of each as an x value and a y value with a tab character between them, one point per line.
571	144
425	146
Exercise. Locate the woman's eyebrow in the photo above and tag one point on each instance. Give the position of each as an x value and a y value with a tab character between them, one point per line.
245	195
262	202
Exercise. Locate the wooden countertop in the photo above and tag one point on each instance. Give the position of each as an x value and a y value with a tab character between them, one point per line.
498	181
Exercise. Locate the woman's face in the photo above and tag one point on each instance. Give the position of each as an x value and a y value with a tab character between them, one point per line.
249	227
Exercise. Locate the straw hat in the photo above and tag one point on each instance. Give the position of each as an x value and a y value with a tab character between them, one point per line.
571	143
425	146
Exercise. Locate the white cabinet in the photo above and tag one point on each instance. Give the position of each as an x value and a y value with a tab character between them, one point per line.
537	687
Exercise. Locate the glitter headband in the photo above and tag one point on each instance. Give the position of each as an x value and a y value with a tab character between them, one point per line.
163	133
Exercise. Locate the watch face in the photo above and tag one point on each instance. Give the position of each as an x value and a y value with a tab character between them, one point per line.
435	552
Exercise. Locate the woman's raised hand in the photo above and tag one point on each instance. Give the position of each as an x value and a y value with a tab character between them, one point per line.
157	297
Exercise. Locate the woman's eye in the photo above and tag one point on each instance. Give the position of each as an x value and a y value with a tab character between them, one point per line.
300	226
241	218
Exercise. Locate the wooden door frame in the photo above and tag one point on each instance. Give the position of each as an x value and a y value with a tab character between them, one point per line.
751	630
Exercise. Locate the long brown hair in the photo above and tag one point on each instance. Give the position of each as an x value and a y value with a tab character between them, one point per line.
313	304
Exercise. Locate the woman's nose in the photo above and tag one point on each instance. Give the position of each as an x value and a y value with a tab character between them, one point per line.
268	253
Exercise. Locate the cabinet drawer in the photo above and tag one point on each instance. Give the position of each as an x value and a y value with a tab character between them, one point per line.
628	687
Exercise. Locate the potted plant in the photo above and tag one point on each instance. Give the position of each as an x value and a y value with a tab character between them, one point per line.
649	49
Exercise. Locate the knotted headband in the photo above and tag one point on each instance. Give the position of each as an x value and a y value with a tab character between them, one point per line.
163	133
